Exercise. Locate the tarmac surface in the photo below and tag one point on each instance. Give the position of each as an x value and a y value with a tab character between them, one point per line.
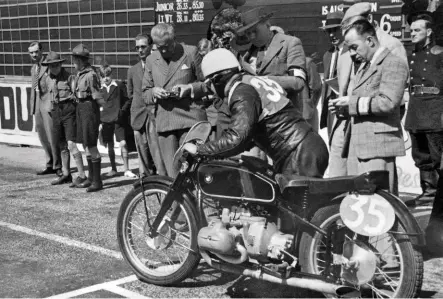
61	243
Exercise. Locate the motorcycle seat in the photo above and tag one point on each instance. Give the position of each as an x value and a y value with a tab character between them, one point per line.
366	182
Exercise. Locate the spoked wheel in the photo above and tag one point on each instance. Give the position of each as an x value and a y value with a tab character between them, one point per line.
394	268
169	257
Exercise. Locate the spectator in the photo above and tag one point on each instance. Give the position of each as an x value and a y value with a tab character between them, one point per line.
310	112
114	115
41	107
423	118
374	103
143	114
348	65
278	56
174	68
63	115
86	88
336	125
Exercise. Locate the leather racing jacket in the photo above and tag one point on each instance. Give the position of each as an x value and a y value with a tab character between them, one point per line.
258	115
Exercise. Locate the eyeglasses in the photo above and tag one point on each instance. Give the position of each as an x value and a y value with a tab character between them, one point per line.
140	47
213	79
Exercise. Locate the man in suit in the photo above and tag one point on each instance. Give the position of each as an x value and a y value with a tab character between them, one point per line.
172	84
374	103
41	107
278	56
348	64
336	125
142	114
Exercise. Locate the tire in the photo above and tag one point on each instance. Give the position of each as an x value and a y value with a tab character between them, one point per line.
159	261
410	260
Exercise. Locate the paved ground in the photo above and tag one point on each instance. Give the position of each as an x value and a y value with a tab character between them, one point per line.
61	242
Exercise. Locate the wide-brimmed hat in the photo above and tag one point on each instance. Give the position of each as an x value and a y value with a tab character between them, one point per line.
80	50
252	17
52	57
333	20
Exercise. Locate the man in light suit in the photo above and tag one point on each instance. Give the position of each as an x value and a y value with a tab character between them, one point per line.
142	114
348	65
278	56
374	103
41	107
172	82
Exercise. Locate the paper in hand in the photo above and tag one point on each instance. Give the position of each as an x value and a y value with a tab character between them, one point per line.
333	84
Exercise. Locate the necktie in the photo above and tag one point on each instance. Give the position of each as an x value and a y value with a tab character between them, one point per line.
260	56
334	59
35	79
365	68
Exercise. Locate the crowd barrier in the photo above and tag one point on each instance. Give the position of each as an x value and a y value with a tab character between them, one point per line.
17	126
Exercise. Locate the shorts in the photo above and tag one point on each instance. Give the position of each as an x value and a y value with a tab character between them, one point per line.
88	122
64	122
108	130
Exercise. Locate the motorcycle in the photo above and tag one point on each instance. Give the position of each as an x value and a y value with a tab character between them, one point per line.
344	236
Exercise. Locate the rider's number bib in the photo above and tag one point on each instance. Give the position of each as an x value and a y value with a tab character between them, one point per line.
367	215
272	95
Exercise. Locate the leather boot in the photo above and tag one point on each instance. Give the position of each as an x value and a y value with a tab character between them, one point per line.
428	183
87	183
97	183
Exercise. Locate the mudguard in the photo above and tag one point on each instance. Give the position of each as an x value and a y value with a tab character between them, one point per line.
413	229
154	179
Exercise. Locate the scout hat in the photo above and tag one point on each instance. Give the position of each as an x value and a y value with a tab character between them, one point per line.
80	50
333	20
52	57
252	17
354	13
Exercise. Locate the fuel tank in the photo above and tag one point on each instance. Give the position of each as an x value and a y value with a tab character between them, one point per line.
234	181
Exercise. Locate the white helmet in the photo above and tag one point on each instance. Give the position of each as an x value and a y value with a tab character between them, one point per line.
218	60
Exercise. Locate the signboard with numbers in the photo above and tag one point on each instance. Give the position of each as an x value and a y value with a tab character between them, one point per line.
179	11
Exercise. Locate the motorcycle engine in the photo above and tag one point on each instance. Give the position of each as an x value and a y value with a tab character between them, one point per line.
237	235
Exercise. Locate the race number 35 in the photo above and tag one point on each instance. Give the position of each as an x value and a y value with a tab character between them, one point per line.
272	89
367	215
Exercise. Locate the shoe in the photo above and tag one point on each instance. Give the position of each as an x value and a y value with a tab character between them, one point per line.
86	183
62	180
59	172
47	170
78	181
130	174
111	174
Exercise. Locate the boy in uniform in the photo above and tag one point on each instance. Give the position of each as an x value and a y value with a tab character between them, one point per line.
63	116
114	117
86	88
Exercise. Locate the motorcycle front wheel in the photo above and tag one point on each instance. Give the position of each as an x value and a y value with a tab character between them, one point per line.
398	274
171	256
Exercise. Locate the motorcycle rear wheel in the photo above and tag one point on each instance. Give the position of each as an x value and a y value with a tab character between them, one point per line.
168	258
403	281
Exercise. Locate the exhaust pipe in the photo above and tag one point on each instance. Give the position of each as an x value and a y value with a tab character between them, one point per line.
313	284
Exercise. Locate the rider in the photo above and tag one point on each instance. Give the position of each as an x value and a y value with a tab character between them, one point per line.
260	112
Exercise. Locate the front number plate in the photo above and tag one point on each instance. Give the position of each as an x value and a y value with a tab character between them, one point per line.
367	215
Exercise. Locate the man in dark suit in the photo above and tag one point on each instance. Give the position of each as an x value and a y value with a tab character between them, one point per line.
336	126
41	107
374	103
142	115
173	68
278	56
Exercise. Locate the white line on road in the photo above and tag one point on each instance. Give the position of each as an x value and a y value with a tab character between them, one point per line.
110	286
123	292
63	240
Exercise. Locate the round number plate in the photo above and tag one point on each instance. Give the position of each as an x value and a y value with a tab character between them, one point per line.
367	215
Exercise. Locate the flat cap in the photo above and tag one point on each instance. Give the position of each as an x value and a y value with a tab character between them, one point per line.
80	50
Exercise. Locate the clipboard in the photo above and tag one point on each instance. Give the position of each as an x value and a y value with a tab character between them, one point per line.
333	84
